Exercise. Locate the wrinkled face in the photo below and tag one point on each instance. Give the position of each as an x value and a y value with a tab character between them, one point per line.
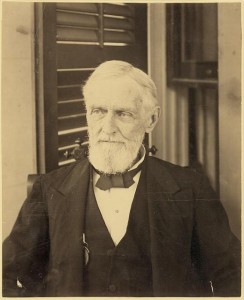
116	124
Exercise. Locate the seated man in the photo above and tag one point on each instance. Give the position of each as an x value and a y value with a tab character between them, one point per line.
121	223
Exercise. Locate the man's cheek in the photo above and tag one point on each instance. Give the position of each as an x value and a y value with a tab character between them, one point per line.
93	129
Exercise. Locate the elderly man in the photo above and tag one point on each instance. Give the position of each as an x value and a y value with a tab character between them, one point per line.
121	223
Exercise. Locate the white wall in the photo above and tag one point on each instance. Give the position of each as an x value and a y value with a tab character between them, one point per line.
171	134
230	111
157	68
18	107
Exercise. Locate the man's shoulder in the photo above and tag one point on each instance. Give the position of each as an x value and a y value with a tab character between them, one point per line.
58	175
182	175
155	163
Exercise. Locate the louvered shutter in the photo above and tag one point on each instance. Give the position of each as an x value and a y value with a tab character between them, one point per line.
86	35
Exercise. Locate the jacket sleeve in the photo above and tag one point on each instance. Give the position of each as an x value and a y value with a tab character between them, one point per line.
217	251
26	250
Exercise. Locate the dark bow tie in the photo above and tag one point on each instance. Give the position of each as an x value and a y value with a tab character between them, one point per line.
125	180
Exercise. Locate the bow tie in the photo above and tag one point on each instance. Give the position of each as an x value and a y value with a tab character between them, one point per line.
125	180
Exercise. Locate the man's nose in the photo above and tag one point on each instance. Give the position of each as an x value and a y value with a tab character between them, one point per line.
109	124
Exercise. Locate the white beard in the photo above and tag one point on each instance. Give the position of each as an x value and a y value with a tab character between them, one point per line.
112	158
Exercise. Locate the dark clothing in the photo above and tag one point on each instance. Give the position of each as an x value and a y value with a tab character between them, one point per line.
190	243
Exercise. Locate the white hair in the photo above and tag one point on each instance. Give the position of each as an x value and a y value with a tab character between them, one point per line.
116	69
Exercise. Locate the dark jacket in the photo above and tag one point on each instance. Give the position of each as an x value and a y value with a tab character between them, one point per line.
189	235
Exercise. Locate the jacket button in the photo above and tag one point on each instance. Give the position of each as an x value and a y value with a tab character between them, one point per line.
112	288
110	252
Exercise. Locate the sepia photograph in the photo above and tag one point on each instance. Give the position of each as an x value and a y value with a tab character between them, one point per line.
121	149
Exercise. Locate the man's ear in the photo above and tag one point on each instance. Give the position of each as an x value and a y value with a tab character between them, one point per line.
153	119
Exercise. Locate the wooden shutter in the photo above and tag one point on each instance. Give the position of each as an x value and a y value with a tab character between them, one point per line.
86	34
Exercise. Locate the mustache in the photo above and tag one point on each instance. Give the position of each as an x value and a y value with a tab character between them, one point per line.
96	138
108	139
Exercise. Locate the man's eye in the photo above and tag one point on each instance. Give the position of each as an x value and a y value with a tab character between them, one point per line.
97	111
124	115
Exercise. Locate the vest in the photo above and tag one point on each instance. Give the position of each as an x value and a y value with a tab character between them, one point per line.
125	269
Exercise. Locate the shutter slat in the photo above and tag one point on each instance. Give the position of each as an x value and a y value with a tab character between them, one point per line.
61	156
83	35
72	122
72	77
66	162
76	34
69	93
75	56
72	19
93	8
114	23
71	108
81	7
69	139
118	37
118	10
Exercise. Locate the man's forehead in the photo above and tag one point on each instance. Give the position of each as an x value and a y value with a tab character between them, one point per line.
121	89
130	104
112	84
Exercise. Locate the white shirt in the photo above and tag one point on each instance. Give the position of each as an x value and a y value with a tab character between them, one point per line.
115	203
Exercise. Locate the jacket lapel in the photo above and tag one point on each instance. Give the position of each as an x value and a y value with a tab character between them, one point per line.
68	197
166	231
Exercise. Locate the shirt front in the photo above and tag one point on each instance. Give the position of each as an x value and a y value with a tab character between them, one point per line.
115	203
